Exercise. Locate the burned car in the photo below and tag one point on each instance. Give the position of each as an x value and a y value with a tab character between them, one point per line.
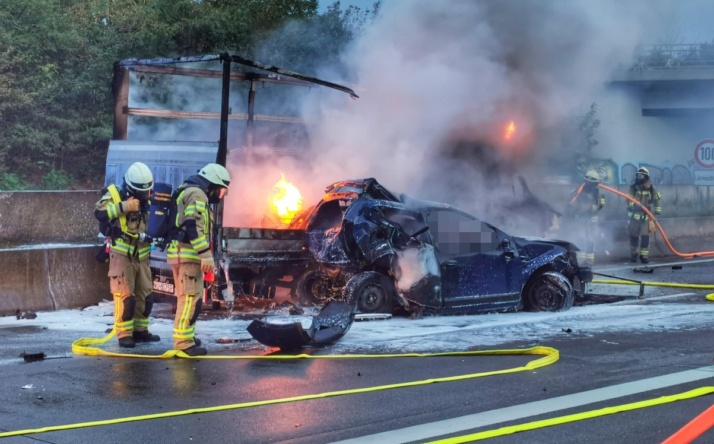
381	251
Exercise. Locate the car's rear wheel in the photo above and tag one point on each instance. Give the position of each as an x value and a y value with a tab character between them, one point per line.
549	291
370	292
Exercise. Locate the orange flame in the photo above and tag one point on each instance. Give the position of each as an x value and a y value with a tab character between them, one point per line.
510	130
286	200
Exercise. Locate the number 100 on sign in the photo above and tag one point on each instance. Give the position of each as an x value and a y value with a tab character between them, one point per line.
704	153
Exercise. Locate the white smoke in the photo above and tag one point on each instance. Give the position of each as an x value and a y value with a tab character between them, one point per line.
439	81
434	73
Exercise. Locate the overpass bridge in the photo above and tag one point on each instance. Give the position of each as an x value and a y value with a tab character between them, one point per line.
673	80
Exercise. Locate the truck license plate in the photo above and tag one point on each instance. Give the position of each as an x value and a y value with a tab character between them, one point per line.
164	287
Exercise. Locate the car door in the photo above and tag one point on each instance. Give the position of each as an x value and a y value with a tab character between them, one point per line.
479	265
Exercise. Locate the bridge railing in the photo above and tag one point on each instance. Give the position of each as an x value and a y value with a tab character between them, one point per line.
674	56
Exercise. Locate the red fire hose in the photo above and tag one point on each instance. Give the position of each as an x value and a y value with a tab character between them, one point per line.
659	227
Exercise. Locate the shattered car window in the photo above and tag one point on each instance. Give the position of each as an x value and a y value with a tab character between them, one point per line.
457	234
410	221
329	215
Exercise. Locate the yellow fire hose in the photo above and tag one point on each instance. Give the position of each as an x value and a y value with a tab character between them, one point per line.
84	346
655	284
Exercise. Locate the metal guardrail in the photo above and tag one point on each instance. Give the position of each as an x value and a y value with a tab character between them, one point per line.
674	56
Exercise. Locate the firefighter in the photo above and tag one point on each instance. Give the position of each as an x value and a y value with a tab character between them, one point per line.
640	224
190	252
584	206
125	213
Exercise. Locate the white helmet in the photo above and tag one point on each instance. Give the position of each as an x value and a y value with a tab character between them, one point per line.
592	176
139	180
216	174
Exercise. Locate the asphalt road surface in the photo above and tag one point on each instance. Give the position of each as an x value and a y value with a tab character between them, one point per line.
598	368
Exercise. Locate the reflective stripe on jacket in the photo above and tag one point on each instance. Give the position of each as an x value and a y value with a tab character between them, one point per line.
648	196
131	225
587	202
191	204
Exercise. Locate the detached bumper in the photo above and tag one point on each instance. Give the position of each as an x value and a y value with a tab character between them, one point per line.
328	326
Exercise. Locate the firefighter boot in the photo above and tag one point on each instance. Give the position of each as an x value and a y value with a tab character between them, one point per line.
195	351
145	336
127	342
633	258
644	259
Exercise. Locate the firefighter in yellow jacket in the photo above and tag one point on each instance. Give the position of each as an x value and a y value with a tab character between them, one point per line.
190	252
641	225
584	206
123	215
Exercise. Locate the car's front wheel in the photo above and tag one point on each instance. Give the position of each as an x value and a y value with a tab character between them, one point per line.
549	291
370	292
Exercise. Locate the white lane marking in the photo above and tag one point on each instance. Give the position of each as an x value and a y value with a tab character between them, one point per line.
470	422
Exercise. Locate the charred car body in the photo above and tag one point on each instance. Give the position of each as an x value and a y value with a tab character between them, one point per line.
381	251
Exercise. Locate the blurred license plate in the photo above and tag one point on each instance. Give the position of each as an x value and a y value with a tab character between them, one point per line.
164	287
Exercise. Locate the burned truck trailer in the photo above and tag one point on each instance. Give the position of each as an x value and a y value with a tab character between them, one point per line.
172	159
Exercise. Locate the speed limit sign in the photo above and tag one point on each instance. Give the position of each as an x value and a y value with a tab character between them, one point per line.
704	153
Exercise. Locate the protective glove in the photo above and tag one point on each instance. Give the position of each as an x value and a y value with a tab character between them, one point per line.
130	206
207	264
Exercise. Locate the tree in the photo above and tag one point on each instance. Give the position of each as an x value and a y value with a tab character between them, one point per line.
578	146
57	58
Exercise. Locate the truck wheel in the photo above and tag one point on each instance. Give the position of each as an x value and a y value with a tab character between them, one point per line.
549	291
311	288
370	292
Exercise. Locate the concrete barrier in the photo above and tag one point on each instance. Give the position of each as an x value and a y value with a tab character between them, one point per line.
41	217
41	279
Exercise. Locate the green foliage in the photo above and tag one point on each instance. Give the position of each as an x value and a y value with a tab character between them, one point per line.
316	41
578	151
57	180
12	182
588	125
57	57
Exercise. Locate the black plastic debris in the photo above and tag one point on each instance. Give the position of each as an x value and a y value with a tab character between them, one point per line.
32	357
26	315
643	270
676	267
333	322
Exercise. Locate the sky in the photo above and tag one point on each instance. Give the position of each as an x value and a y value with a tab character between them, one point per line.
692	22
